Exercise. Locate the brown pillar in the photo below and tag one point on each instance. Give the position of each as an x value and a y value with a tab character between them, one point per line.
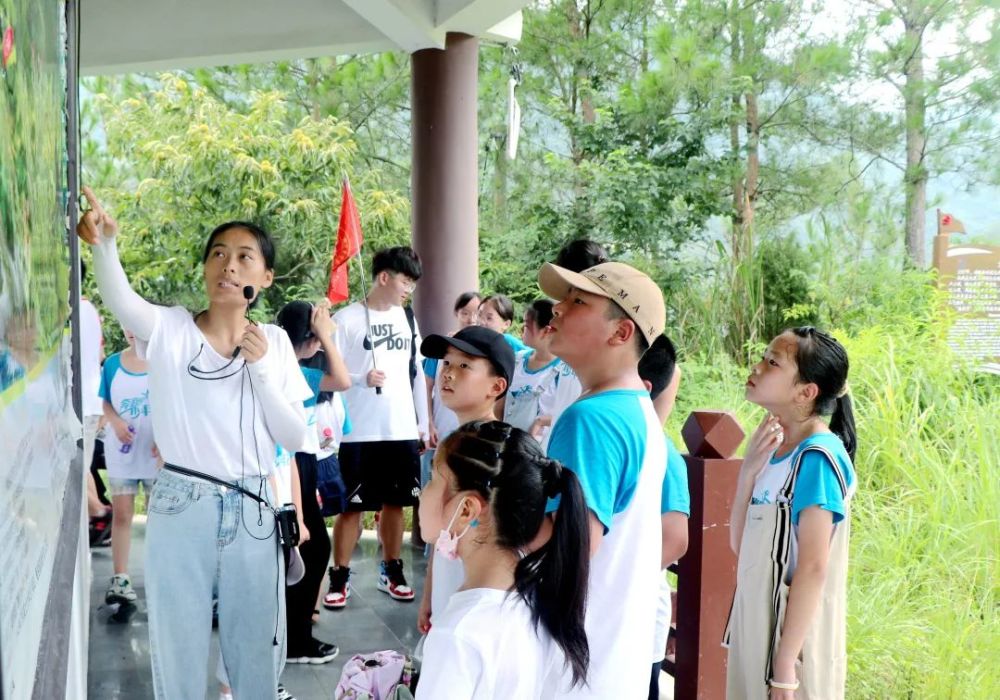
445	199
706	574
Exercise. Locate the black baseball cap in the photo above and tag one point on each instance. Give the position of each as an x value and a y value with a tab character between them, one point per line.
295	318
477	341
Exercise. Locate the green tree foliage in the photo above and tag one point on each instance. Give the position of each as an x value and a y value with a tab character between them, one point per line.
184	162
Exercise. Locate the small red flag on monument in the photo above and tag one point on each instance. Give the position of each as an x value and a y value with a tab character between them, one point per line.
949	224
349	239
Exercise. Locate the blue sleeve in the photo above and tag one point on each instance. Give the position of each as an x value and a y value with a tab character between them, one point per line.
819	485
430	367
598	462
675	496
516	344
347	417
314	378
108	370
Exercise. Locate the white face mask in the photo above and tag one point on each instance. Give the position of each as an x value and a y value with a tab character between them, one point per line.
447	542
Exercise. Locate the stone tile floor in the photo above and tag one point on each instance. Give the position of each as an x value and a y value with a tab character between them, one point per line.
119	663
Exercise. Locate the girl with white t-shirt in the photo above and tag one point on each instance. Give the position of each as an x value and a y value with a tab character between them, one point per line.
129	452
517	619
223	393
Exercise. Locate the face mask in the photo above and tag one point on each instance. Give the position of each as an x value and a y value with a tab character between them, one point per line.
447	543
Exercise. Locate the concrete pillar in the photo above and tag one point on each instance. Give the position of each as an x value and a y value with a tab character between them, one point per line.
445	200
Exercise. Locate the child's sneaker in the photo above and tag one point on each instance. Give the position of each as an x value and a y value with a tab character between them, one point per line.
120	590
282	693
340	588
392	581
316	652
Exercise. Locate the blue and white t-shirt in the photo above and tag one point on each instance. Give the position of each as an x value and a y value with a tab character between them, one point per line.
522	404
615	445
819	482
128	394
675	498
567	390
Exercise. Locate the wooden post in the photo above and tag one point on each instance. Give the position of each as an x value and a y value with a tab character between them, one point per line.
706	575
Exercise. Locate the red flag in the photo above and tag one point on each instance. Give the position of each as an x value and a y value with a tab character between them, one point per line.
349	239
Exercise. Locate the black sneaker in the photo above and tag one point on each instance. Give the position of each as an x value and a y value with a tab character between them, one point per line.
317	652
284	694
391	580
340	588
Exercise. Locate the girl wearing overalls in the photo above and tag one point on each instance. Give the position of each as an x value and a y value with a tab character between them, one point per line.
790	525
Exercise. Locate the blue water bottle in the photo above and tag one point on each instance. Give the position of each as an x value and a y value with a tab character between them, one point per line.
127	446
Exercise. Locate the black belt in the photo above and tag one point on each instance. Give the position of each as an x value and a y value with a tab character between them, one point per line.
215	480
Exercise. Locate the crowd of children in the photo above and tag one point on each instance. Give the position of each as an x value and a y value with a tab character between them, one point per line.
549	496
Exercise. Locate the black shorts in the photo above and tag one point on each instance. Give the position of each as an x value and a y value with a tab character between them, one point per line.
380	473
330	485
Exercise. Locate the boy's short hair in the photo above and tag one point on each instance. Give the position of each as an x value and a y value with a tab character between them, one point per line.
401	260
539	312
581	254
657	365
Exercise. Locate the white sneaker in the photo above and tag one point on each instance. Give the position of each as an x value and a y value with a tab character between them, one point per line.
120	590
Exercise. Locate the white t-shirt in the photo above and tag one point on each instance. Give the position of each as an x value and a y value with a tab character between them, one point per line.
331	416
484	647
390	415
663	610
91	342
197	422
567	390
528	390
128	394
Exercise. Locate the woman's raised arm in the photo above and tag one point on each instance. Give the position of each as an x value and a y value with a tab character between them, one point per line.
98	228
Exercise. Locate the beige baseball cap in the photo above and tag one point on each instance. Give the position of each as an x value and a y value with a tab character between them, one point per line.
634	291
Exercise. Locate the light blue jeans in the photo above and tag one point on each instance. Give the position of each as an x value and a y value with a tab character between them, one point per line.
201	537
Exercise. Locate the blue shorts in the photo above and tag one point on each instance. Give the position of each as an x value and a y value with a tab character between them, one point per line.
330	485
130	487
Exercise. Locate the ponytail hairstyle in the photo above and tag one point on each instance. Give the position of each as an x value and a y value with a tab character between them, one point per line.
506	467
503	305
823	361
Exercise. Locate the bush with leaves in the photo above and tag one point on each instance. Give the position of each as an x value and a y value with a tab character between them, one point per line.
183	162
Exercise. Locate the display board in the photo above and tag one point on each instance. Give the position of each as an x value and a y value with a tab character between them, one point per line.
971	275
37	427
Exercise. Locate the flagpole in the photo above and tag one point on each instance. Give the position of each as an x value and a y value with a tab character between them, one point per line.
364	286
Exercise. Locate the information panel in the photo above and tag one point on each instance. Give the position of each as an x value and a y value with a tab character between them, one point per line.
971	275
37	428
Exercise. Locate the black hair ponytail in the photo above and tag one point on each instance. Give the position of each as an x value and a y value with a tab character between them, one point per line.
842	424
555	575
823	361
507	468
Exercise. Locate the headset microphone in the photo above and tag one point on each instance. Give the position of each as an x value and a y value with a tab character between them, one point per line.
248	295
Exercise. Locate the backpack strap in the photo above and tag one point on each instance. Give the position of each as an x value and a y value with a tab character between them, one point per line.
408	310
788	490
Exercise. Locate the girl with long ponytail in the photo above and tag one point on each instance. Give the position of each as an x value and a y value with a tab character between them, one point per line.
790	525
518	619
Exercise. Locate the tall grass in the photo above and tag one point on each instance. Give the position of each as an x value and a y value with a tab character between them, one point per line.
923	618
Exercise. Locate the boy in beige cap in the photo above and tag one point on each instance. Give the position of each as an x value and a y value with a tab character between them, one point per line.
605	319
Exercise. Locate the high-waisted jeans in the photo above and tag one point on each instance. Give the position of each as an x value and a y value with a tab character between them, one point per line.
201	538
